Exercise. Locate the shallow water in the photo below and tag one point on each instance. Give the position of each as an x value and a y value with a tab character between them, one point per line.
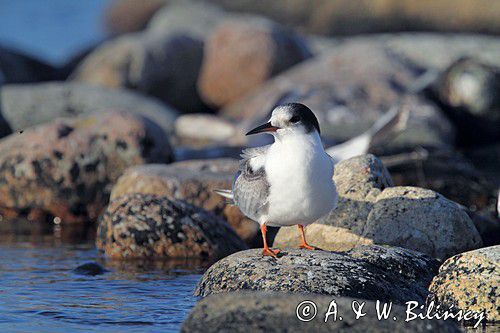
39	291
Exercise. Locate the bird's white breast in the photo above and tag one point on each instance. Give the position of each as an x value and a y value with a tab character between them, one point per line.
300	176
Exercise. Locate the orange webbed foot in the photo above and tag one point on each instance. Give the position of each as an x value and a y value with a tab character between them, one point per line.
307	247
270	252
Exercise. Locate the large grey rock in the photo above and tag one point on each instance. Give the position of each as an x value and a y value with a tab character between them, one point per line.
368	272
27	105
371	211
193	182
421	220
349	88
66	168
469	281
265	311
150	226
242	53
164	65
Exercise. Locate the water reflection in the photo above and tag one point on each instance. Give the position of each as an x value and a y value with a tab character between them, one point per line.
40	291
13	231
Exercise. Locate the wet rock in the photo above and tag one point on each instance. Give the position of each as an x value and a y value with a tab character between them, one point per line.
27	105
195	18
360	273
90	268
468	92
193	182
163	65
359	181
371	211
198	130
242	53
266	311
469	281
349	88
149	226
124	16
66	168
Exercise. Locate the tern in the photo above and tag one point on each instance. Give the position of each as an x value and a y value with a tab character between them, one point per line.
289	182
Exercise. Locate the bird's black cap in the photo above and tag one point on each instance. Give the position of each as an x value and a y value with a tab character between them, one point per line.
305	115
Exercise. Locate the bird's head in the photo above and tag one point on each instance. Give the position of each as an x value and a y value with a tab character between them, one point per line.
291	118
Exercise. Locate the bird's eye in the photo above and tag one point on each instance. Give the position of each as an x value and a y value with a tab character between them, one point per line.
295	119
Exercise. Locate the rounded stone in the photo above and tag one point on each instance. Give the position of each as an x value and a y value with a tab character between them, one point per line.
149	226
32	104
359	273
469	281
371	211
193	182
266	311
422	220
163	65
244	52
65	168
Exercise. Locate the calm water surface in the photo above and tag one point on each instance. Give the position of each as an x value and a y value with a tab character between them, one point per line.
39	291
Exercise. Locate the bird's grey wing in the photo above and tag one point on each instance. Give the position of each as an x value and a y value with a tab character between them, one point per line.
250	186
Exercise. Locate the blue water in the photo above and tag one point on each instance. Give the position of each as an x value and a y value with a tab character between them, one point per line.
51	30
40	292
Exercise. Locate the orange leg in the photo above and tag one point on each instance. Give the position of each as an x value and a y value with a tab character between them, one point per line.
267	251
303	244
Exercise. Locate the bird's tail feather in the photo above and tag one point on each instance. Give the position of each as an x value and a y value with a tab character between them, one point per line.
228	194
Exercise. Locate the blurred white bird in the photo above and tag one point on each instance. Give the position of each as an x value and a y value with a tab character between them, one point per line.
393	121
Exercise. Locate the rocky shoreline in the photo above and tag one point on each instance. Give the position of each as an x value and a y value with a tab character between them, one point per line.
136	136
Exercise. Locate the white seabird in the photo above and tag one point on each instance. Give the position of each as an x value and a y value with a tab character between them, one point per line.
288	182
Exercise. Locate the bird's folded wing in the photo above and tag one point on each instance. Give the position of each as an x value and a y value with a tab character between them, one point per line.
250	187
